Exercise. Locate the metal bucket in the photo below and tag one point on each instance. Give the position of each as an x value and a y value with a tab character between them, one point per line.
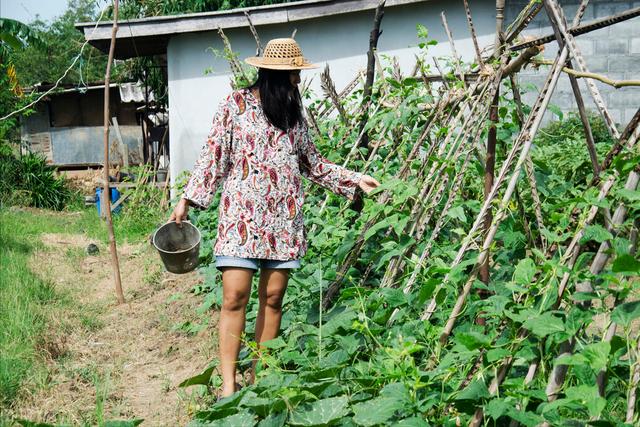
179	247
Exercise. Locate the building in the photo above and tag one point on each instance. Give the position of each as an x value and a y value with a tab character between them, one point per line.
67	125
337	33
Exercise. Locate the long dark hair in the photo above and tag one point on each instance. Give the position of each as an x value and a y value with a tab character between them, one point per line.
281	103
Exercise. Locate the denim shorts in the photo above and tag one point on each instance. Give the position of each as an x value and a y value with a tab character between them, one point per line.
254	263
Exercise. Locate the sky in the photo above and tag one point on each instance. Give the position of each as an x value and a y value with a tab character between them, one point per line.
26	10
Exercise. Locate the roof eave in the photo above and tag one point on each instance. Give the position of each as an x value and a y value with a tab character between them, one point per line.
150	36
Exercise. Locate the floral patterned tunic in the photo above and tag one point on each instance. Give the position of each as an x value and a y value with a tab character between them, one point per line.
260	212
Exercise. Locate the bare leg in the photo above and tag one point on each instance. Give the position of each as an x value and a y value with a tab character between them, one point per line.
273	284
236	287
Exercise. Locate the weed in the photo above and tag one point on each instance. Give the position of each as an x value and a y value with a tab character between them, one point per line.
29	181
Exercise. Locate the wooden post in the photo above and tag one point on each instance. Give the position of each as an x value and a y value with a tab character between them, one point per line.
122	148
107	191
371	62
490	164
591	146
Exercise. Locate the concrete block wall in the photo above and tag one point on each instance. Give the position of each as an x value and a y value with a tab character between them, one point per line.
613	51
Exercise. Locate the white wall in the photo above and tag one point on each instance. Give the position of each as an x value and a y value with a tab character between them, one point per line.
342	41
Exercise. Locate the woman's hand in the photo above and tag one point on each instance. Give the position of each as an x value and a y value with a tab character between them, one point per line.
180	211
368	183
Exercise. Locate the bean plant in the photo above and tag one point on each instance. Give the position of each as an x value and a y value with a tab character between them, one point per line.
368	358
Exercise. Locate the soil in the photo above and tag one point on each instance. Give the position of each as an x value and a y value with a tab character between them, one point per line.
108	361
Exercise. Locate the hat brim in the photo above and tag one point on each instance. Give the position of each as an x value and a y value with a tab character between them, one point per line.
257	61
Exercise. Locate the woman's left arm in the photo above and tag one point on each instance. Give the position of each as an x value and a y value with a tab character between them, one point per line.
325	173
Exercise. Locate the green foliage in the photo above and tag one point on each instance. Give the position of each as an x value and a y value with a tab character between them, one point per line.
370	360
141	211
28	180
27	301
14	35
59	44
144	8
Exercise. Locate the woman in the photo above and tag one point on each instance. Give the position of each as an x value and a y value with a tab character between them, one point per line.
260	145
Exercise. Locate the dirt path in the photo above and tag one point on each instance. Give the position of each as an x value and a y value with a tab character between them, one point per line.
111	361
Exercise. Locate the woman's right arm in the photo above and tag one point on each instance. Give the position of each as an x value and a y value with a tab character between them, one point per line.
212	164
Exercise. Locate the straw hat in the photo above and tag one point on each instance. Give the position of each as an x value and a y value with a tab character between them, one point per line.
281	54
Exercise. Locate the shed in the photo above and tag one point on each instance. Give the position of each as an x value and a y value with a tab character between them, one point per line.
67	126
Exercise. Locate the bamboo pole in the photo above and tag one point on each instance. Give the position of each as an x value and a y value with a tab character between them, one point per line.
472	30
632	126
259	47
523	20
632	394
558	16
490	162
454	52
569	258
529	168
329	89
522	146
106	194
437	182
526	140
591	145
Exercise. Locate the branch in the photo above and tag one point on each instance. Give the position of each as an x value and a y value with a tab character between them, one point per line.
589	75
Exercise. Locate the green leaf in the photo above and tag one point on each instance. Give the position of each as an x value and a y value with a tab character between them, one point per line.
597	354
525	270
457	212
202	378
497	408
477	389
556	110
473	340
587	396
529	419
274	420
241	419
411	422
625	313
497	354
319	412
596	232
394	297
630	195
544	324
626	263
399	226
381	225
376	411
274	343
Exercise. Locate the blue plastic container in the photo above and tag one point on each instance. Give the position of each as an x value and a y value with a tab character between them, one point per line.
115	195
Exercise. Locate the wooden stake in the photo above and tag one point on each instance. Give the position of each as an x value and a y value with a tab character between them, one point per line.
255	34
106	194
371	64
454	52
490	163
472	30
591	145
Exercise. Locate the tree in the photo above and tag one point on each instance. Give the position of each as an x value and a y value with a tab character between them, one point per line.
60	44
15	36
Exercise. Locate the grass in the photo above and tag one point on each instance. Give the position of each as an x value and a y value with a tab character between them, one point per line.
29	303
26	301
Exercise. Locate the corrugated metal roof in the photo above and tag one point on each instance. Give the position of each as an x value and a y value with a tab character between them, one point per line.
129	92
133	92
150	36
